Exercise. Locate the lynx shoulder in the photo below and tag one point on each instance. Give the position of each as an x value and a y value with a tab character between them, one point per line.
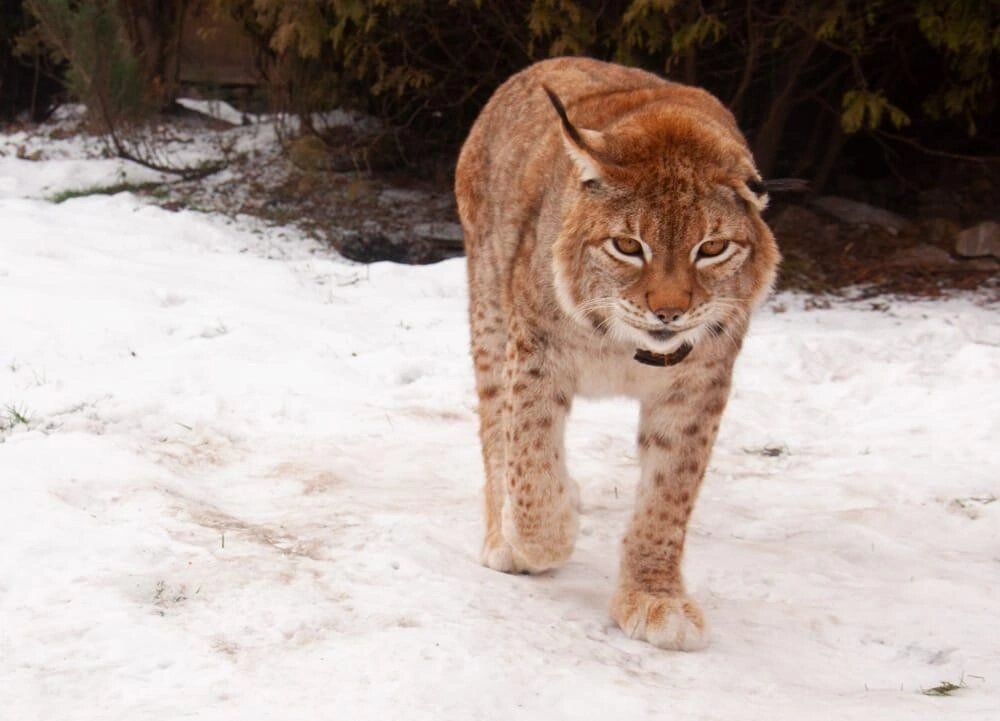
615	246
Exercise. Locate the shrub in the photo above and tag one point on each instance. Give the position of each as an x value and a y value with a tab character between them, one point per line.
115	68
102	71
801	76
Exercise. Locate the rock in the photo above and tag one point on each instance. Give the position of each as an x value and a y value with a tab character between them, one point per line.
932	259
857	213
984	265
922	257
979	240
448	234
375	244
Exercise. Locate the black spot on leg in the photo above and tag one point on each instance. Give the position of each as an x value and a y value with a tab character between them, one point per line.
716	405
661	442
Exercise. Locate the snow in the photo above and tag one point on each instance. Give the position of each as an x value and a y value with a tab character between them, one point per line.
249	488
218	109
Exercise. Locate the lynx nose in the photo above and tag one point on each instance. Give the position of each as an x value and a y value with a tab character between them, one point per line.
668	304
668	315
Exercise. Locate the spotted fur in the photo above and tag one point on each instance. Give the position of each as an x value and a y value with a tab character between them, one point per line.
568	156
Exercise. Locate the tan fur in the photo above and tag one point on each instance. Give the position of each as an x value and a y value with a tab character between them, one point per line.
555	312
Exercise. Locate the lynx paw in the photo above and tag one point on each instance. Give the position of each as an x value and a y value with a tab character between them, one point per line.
544	543
672	622
501	556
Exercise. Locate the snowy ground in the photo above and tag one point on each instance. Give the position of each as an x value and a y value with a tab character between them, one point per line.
248	487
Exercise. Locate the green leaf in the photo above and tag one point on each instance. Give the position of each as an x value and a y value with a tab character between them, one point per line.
866	109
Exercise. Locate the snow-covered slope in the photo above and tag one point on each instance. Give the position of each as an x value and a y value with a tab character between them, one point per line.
248	487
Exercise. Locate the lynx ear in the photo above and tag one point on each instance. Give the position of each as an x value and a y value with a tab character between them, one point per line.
583	146
754	191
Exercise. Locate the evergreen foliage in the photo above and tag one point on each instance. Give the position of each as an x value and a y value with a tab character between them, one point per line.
110	69
801	76
102	71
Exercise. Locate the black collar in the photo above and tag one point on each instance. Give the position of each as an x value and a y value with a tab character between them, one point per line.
658	359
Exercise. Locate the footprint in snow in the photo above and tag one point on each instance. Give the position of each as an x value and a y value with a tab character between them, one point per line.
169	299
409	375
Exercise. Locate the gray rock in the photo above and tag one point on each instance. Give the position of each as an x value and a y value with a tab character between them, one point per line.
922	257
986	265
931	258
450	233
981	239
857	213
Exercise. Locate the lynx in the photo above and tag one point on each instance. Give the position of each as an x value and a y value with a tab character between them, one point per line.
615	247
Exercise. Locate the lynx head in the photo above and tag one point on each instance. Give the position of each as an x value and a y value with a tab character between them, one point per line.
661	241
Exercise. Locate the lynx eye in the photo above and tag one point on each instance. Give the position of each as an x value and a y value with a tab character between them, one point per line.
627	246
712	248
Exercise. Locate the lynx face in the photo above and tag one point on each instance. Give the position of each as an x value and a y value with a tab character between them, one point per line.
655	254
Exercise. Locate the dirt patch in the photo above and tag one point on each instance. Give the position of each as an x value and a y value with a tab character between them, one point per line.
236	529
208	450
314	481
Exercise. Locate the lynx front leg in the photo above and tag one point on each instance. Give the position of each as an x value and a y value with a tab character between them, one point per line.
539	518
676	434
489	342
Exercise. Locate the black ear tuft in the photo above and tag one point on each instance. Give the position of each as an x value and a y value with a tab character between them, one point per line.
756	186
786	185
571	131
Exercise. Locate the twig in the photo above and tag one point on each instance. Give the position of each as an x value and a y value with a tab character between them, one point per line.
988	159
